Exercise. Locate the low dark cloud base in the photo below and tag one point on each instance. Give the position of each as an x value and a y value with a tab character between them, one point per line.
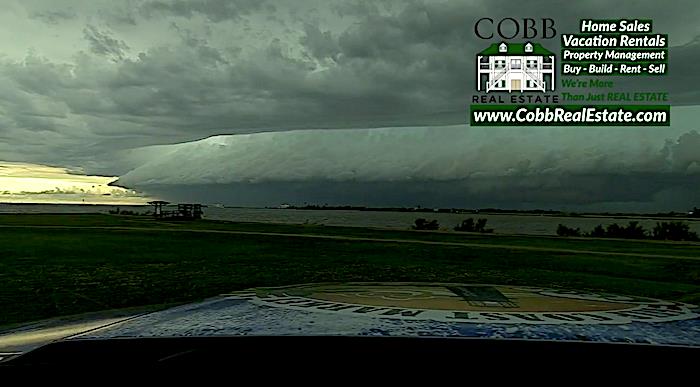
612	192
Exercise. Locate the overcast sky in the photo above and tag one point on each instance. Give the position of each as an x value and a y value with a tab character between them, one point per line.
87	85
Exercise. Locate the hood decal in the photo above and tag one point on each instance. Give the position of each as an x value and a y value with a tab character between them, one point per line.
424	309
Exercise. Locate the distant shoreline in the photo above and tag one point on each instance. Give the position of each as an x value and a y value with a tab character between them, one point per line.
493	211
418	211
75	204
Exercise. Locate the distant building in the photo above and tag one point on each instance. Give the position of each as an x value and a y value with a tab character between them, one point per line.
284	205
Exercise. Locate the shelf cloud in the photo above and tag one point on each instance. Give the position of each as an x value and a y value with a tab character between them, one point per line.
542	163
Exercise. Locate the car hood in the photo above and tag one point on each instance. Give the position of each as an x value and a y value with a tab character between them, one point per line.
410	309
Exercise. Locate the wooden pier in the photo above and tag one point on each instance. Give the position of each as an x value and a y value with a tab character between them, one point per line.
185	211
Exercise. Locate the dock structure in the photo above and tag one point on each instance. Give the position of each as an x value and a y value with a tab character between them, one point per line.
158	207
185	211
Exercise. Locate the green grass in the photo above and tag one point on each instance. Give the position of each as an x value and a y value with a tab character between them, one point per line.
47	272
689	249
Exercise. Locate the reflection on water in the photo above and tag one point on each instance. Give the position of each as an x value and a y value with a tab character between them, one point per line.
502	223
66	208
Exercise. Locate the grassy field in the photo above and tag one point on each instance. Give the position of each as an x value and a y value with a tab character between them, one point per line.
53	265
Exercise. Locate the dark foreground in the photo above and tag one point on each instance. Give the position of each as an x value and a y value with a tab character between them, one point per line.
55	265
333	354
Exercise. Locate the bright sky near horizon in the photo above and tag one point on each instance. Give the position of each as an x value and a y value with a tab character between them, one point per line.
33	183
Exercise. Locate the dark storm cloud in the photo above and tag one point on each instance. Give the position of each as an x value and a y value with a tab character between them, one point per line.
101	43
119	14
161	72
683	77
201	45
395	63
55	16
320	44
214	10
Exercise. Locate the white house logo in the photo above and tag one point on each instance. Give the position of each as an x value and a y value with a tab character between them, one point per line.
463	303
515	67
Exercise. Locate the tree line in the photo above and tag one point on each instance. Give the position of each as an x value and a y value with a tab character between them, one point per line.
467	225
674	231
